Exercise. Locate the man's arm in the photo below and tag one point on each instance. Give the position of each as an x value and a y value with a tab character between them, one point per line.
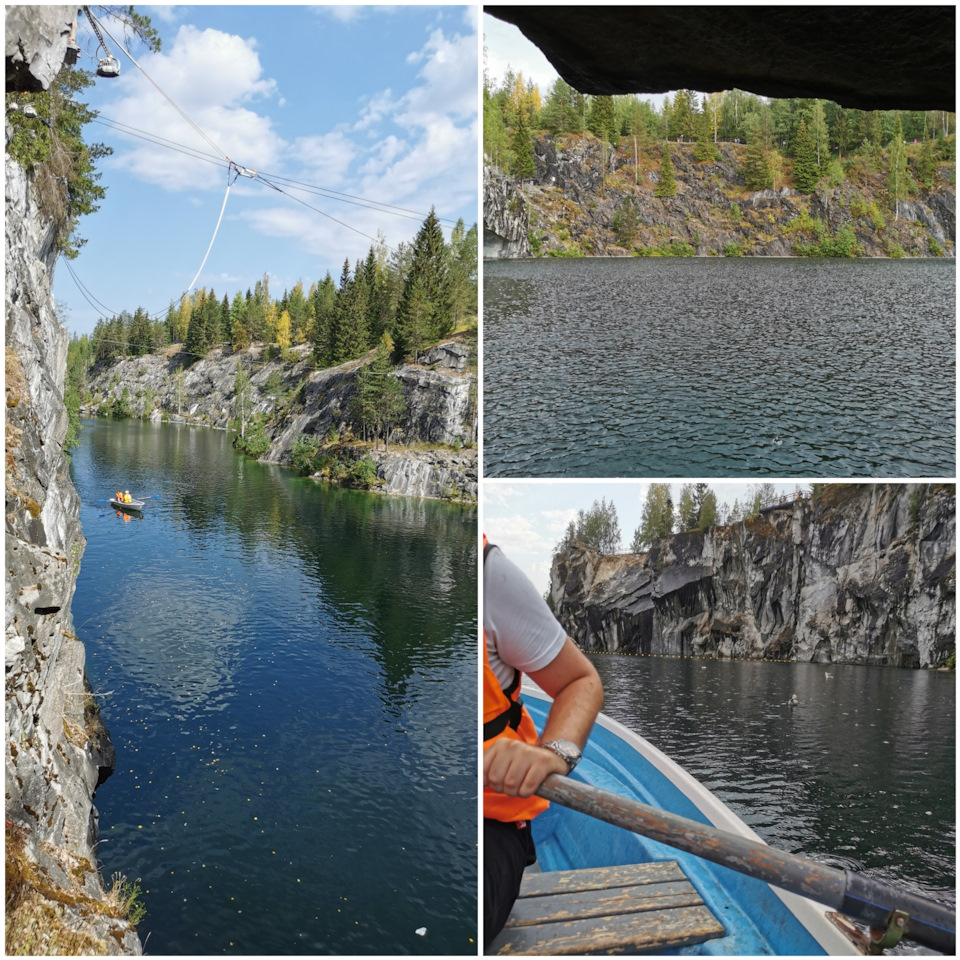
516	768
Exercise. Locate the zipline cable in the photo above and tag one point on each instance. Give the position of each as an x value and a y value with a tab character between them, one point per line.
162	93
273	186
305	187
223	207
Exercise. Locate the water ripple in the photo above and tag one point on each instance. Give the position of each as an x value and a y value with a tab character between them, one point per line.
719	368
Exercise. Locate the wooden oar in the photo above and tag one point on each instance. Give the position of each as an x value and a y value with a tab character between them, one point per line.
884	908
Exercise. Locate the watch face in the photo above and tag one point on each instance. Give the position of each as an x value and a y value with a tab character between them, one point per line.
566	750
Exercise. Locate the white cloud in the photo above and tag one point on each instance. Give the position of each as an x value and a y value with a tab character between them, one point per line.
233	77
324	158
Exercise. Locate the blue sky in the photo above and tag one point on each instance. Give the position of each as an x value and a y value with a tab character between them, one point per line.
376	102
527	518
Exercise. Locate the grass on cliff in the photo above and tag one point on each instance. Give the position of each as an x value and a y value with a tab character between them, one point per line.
42	918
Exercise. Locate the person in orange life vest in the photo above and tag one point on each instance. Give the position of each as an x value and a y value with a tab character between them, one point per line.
521	635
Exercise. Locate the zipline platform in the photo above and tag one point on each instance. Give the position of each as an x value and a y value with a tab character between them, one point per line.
638	908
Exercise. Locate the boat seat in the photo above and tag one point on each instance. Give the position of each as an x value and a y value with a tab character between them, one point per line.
638	908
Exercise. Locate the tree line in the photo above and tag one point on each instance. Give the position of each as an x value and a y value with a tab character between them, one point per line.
811	133
420	293
598	528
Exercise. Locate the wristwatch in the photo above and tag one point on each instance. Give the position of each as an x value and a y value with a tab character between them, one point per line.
565	750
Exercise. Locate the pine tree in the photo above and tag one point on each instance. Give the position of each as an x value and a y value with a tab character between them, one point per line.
350	336
756	169
805	170
926	165
602	120
426	280
324	305
667	186
522	165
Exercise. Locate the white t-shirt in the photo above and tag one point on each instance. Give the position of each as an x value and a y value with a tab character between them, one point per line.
520	630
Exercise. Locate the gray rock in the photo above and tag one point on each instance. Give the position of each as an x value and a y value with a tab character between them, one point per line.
505	220
861	575
441	405
35	40
57	751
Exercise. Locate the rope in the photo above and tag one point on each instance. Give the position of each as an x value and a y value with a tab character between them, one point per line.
223	207
260	177
159	90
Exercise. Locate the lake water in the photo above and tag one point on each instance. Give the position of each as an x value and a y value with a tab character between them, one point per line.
860	775
719	367
288	671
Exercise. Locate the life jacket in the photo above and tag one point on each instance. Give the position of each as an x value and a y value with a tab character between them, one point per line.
505	716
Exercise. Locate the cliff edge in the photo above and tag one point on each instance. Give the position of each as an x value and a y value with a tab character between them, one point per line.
57	749
861	573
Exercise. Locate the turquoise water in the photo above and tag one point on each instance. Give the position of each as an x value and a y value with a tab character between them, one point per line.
719	368
288	673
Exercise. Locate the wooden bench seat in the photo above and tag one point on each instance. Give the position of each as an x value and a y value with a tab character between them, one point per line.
639	908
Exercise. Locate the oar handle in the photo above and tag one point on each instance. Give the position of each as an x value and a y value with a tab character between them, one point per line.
855	895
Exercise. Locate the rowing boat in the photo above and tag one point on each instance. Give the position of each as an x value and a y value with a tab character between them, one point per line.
616	891
134	506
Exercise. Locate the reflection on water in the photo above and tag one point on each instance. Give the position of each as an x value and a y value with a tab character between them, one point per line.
290	683
860	773
688	368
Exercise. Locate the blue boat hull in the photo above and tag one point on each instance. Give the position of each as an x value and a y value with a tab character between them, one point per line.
758	919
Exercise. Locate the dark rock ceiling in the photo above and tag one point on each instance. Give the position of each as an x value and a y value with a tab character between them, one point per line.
870	58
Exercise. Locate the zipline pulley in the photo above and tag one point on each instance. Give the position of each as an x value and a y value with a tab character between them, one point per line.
108	66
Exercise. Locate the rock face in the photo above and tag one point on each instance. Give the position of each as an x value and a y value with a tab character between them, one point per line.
57	750
861	574
505	222
440	395
36	42
873	59
569	209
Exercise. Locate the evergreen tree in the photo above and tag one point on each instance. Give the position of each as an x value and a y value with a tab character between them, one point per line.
681	116
926	165
667	185
415	321
756	168
350	335
522	165
324	308
140	340
602	120
236	322
805	170
559	113
426	280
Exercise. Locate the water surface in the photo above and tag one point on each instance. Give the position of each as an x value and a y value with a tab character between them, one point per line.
860	775
719	367
288	673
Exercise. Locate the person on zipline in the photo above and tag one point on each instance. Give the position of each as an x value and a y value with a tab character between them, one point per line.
521	635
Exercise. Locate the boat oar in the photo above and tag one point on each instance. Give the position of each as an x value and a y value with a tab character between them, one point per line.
884	908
